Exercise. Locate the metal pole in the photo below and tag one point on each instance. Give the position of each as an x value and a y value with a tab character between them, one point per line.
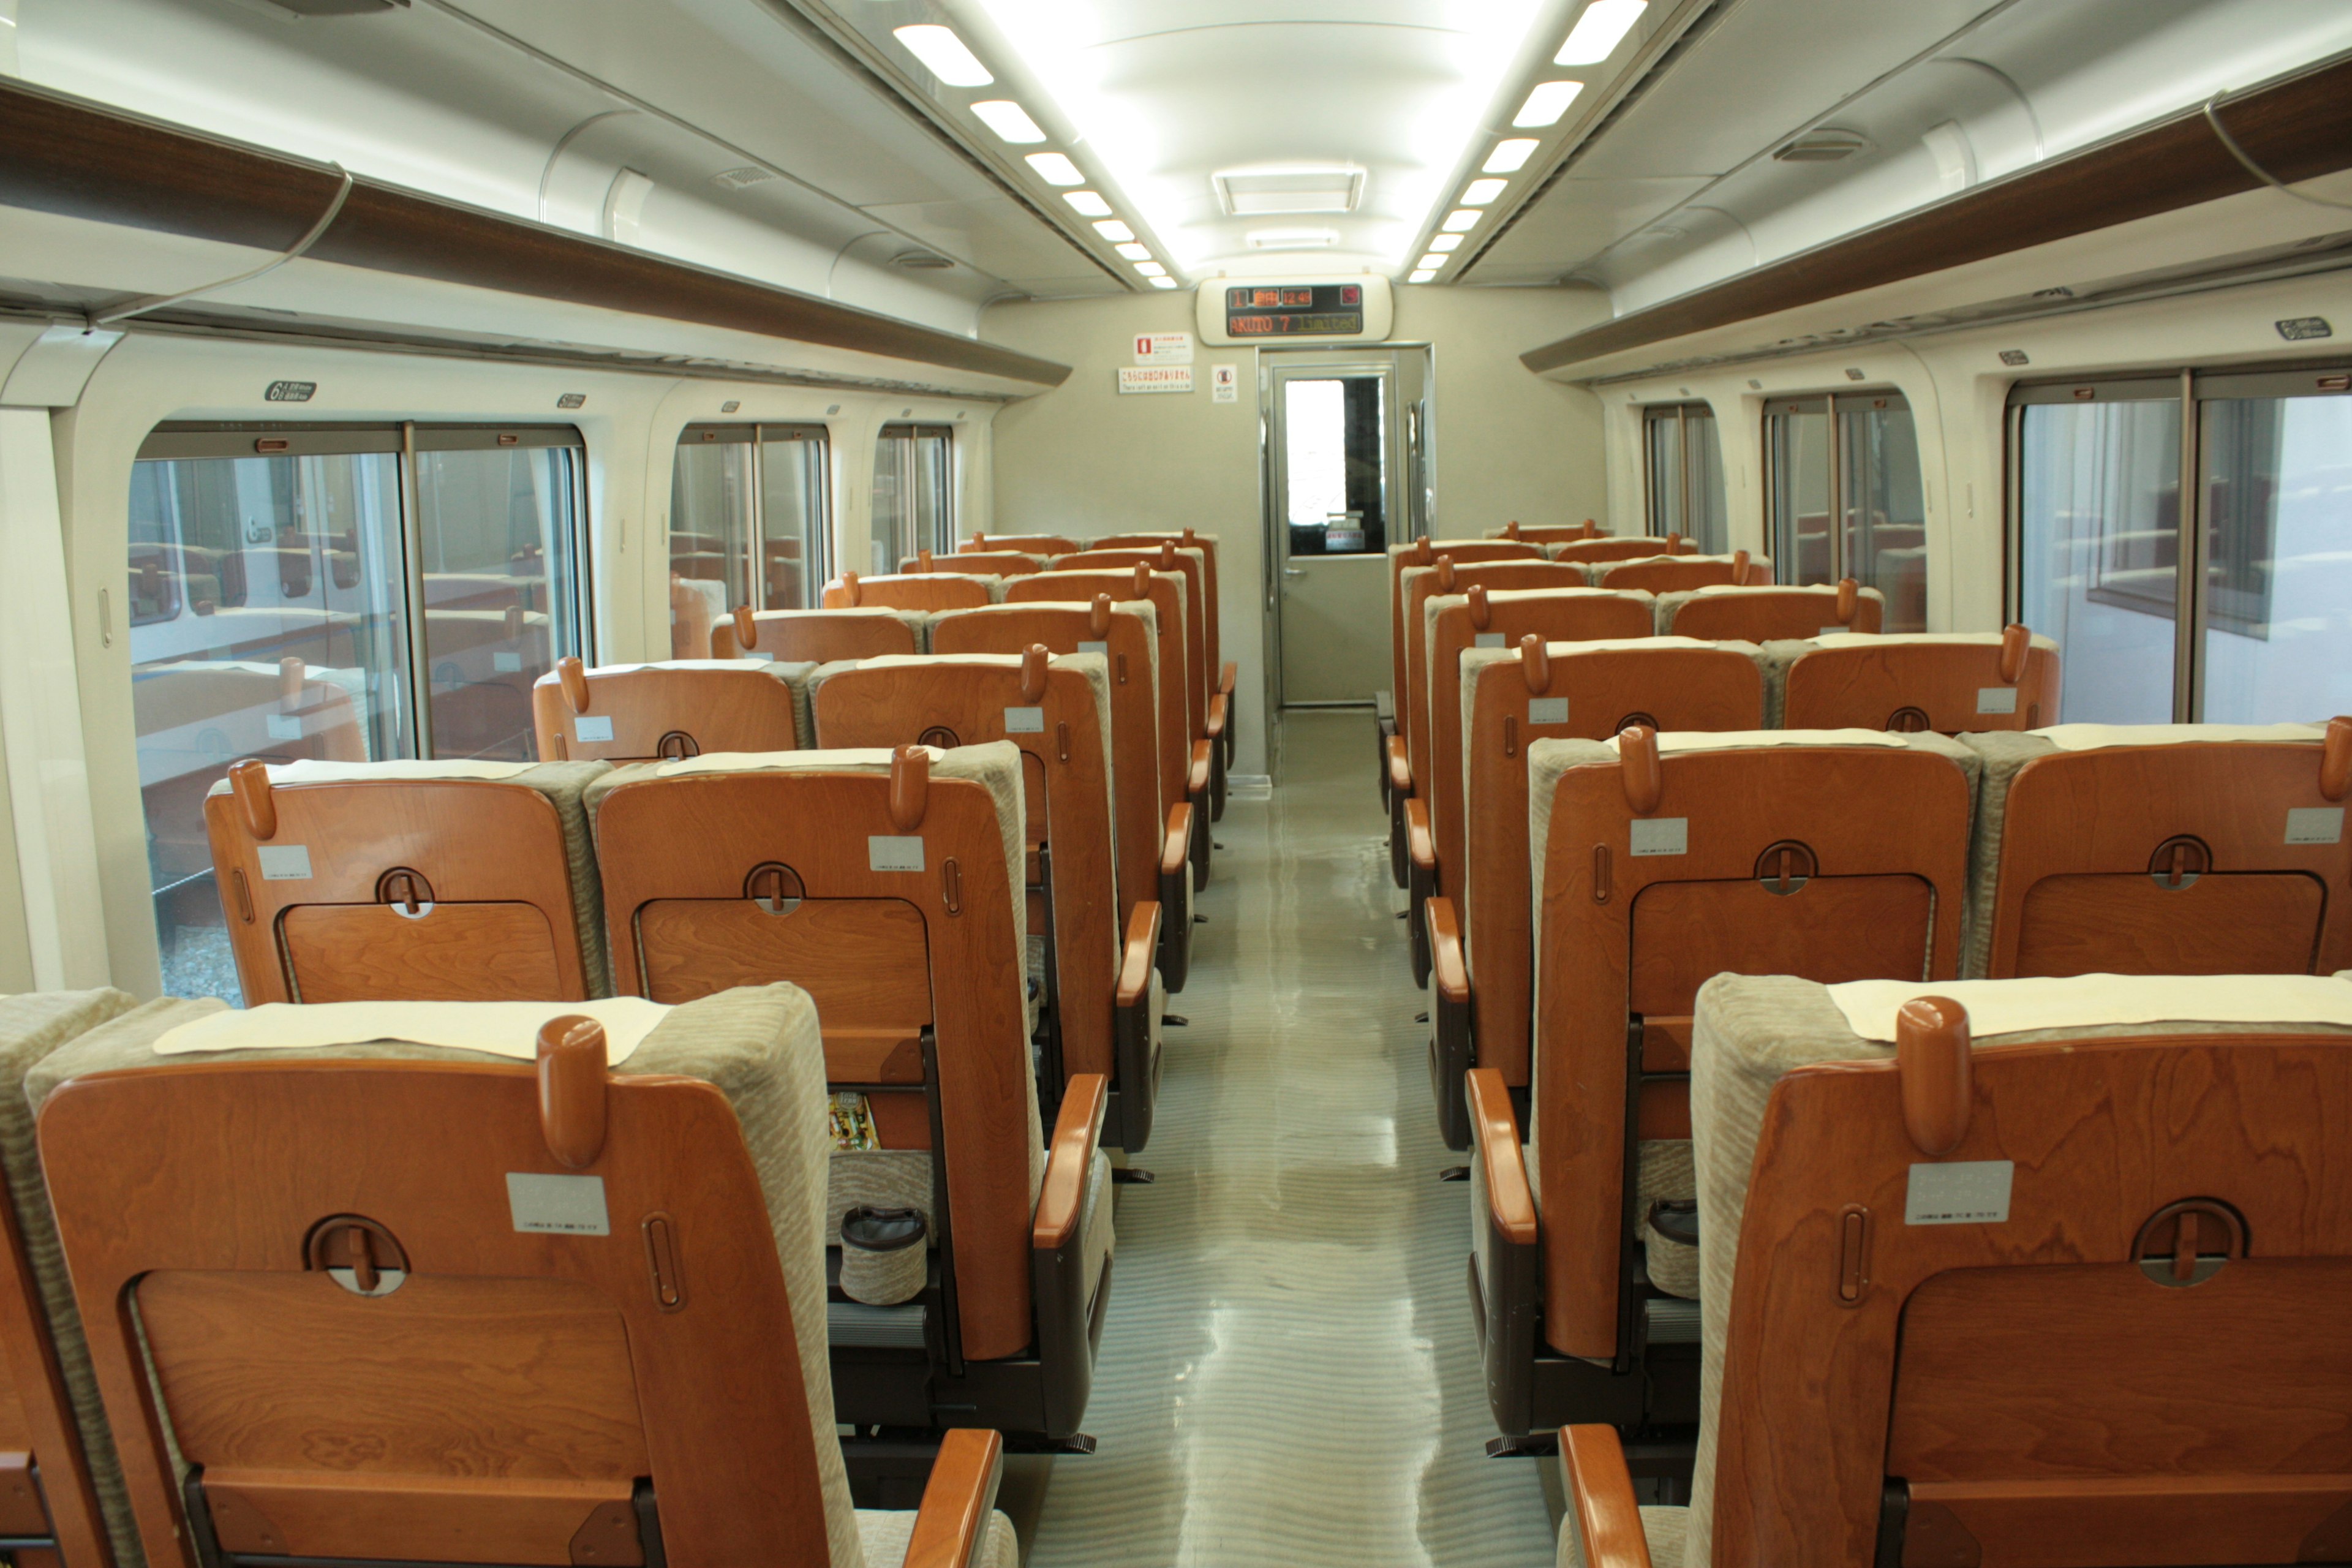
412	550
2188	573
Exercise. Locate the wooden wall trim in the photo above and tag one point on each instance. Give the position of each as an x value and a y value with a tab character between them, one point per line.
2297	129
78	159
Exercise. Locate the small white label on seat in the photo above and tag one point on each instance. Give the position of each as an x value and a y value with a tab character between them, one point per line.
1996	699
2315	825
758	657
1966	1192
1024	720
506	663
284	726
1662	835
593	727
1547	710
1490	640
1832	631
1101	647
894	852
285	862
565	1205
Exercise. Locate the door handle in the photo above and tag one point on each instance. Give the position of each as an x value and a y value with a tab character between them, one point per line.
1293	571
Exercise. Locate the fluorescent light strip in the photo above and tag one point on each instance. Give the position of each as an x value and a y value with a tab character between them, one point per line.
1599	31
1151	269
1434	259
1009	120
1422	275
1055	169
1164	282
1547	103
1089	204
943	55
1508	157
1114	229
1445	242
1482	193
1461	220
1134	252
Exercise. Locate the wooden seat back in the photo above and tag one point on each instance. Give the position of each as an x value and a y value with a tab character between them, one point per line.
1165	591
2207	855
1547	532
2127	1348
464	1311
889	891
1423	553
1044	545
1680	574
1622	547
817	636
1560	690
929	591
1046	706
1125	636
1206	544
371	884
1455	624
1840	857
1951	683
975	563
1417	585
1761	615
630	712
1192	566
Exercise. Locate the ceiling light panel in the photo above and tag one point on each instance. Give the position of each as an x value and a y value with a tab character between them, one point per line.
1482	193
1445	242
1113	228
1263	193
1164	282
1509	157
1422	275
1135	252
1089	204
1599	31
1293	238
1055	169
1009	120
1434	259
1545	104
1151	269
943	54
1461	220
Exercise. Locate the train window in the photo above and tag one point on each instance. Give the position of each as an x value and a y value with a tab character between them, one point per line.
913	493
270	575
1684	475
748	522
498	545
1335	441
2098	537
1854	457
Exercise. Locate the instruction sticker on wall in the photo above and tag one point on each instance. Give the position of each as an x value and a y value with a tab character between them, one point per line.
1163	348
1225	383
1154	378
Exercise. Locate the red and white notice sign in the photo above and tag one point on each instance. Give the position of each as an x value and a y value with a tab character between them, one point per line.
1163	348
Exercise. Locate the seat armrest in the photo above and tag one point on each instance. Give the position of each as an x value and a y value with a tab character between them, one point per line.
1600	1505
1216	727
1176	849
1509	1200
1069	1160
1227	674
1198	783
1134	1011
1421	881
1134	960
1176	898
1451	1039
1420	843
951	1527
1400	767
1196	780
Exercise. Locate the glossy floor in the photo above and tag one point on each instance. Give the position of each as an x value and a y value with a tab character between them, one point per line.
1288	1372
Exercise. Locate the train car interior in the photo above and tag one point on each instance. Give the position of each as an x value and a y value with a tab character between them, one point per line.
689	876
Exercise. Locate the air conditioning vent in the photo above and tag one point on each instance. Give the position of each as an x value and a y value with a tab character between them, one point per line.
1293	238
921	261
736	179
1272	190
1826	145
301	9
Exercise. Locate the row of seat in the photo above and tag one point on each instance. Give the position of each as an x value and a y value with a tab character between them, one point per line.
487	1283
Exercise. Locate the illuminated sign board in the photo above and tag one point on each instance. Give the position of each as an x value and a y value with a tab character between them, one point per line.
1294	310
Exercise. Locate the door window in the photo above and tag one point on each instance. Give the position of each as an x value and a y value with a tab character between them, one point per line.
270	578
1845	497
1335	437
1684	475
748	525
913	489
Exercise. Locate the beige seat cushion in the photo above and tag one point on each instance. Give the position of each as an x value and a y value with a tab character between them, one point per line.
759	1045
1666	1529
885	1534
31	1029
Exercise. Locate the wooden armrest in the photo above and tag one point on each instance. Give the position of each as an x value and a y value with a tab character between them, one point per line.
1419	842
1177	847
1217	713
1446	962
1400	767
1600	1497
1227	674
1197	780
1496	1130
1142	942
1069	1160
953	1523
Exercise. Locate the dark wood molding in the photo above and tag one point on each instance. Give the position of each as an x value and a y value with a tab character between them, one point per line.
2298	128
83	160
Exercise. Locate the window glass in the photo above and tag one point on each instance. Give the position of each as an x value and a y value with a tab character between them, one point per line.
1335	442
1797	441
1684	477
2099	494
710	527
794	520
266	599
1665	471
1884	541
912	510
2278	568
499	529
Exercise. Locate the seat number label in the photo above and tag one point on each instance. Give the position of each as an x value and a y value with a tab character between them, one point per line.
1662	835
284	726
562	1206
596	727
1964	1191
1547	710
1024	720
506	663
1101	647
1996	699
894	852
285	862
2315	825
1490	640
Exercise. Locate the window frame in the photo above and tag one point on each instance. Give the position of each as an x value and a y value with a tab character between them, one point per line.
1681	414
759	436
2190	388
944	529
1832	405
